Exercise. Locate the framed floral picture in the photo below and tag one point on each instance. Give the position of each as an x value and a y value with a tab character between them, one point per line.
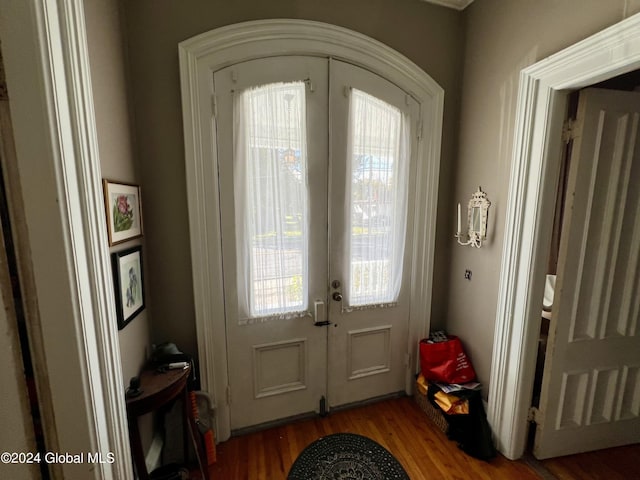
129	284
124	211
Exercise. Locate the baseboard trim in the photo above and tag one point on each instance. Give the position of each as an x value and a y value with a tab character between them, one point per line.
308	415
368	401
273	423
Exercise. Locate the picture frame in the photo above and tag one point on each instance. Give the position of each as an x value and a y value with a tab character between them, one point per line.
123	209
128	278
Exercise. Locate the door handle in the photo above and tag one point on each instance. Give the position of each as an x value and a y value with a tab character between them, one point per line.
337	296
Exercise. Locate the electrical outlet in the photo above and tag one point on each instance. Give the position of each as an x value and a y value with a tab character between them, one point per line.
467	275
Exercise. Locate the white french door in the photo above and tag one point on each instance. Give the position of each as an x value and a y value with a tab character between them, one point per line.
315	192
369	241
276	357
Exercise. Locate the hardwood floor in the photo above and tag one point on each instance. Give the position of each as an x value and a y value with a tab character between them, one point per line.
622	463
398	425
423	450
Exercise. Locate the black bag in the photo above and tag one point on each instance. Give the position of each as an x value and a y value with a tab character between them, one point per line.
471	432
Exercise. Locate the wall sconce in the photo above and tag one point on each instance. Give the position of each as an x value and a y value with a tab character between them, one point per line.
477	213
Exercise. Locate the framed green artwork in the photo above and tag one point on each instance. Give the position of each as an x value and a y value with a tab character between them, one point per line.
124	211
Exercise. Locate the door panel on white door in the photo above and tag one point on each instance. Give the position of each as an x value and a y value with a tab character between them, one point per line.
273	182
279	367
372	135
369	351
590	395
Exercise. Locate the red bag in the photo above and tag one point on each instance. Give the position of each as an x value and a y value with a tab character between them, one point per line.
445	361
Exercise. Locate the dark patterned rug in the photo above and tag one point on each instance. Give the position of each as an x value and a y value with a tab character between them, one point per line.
346	456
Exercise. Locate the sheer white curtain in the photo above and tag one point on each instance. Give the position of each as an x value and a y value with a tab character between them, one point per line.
271	200
377	191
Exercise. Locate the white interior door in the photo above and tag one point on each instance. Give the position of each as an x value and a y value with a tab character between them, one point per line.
590	395
300	199
372	136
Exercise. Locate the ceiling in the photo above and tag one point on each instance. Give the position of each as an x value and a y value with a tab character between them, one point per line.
456	4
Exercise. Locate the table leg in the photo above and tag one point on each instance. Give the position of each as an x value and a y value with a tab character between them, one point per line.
185	424
136	449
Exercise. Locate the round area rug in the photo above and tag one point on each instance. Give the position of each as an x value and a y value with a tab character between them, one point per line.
346	456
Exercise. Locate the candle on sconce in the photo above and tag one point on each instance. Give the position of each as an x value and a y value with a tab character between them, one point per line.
459	221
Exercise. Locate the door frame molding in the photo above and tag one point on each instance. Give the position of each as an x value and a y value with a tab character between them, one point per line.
202	55
540	112
71	302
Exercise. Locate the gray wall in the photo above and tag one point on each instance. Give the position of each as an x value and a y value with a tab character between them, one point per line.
429	35
115	144
502	37
476	56
15	415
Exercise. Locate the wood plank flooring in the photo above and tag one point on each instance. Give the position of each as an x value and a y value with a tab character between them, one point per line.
398	425
424	451
622	463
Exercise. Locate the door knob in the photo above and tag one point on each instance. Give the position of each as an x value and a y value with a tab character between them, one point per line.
337	296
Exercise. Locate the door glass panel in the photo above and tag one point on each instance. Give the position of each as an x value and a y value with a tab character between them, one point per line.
377	188
271	198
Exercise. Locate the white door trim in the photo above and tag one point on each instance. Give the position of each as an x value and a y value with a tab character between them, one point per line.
48	77
540	111
199	58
